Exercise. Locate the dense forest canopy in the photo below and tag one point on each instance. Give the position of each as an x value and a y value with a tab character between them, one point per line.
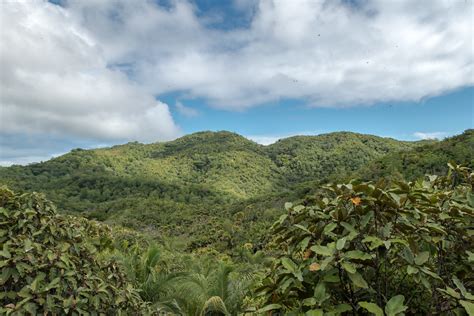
427	159
196	183
186	227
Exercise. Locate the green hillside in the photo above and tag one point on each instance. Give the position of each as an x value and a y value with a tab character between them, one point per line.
204	187
431	158
322	157
213	232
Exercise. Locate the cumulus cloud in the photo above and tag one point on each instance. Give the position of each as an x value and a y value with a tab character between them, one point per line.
55	80
94	69
329	53
430	135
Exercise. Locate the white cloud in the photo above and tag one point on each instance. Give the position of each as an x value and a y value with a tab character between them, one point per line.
264	140
186	110
430	135
55	80
270	139
325	52
92	69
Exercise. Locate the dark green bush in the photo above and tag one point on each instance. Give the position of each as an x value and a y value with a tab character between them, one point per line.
372	248
50	264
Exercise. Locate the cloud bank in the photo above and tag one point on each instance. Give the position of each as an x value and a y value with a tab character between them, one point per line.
95	69
55	80
329	53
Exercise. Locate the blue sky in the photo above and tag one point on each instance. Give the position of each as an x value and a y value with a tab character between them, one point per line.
439	117
97	73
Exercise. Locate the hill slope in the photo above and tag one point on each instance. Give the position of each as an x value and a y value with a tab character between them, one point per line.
431	158
206	184
303	158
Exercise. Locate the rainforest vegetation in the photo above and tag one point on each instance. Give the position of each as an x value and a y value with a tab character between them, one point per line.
215	224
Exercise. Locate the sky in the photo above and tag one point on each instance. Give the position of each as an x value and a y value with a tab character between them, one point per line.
86	74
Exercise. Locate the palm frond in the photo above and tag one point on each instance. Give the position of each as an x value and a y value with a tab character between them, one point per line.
214	306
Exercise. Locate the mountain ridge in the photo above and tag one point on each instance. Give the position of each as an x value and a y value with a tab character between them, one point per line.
195	187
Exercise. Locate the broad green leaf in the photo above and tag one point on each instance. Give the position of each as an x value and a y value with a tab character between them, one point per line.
374	242
372	308
298	208
320	293
399	241
292	267
286	283
303	228
309	301
329	228
422	257
430	273
331	278
358	280
444	216
31	308
282	218
349	227
395	197
468	306
395	305
460	286
304	243
5	253
411	270
289	264
357	255
341	309
436	227
348	267
365	220
34	286
315	312
451	292
326	262
28	246
341	243
322	250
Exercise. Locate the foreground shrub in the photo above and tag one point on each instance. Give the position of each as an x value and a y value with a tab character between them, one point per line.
365	248
49	263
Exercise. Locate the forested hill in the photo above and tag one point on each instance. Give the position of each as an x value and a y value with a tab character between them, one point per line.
323	157
431	158
208	186
220	162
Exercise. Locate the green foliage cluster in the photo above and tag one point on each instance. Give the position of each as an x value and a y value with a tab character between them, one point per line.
50	265
366	248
